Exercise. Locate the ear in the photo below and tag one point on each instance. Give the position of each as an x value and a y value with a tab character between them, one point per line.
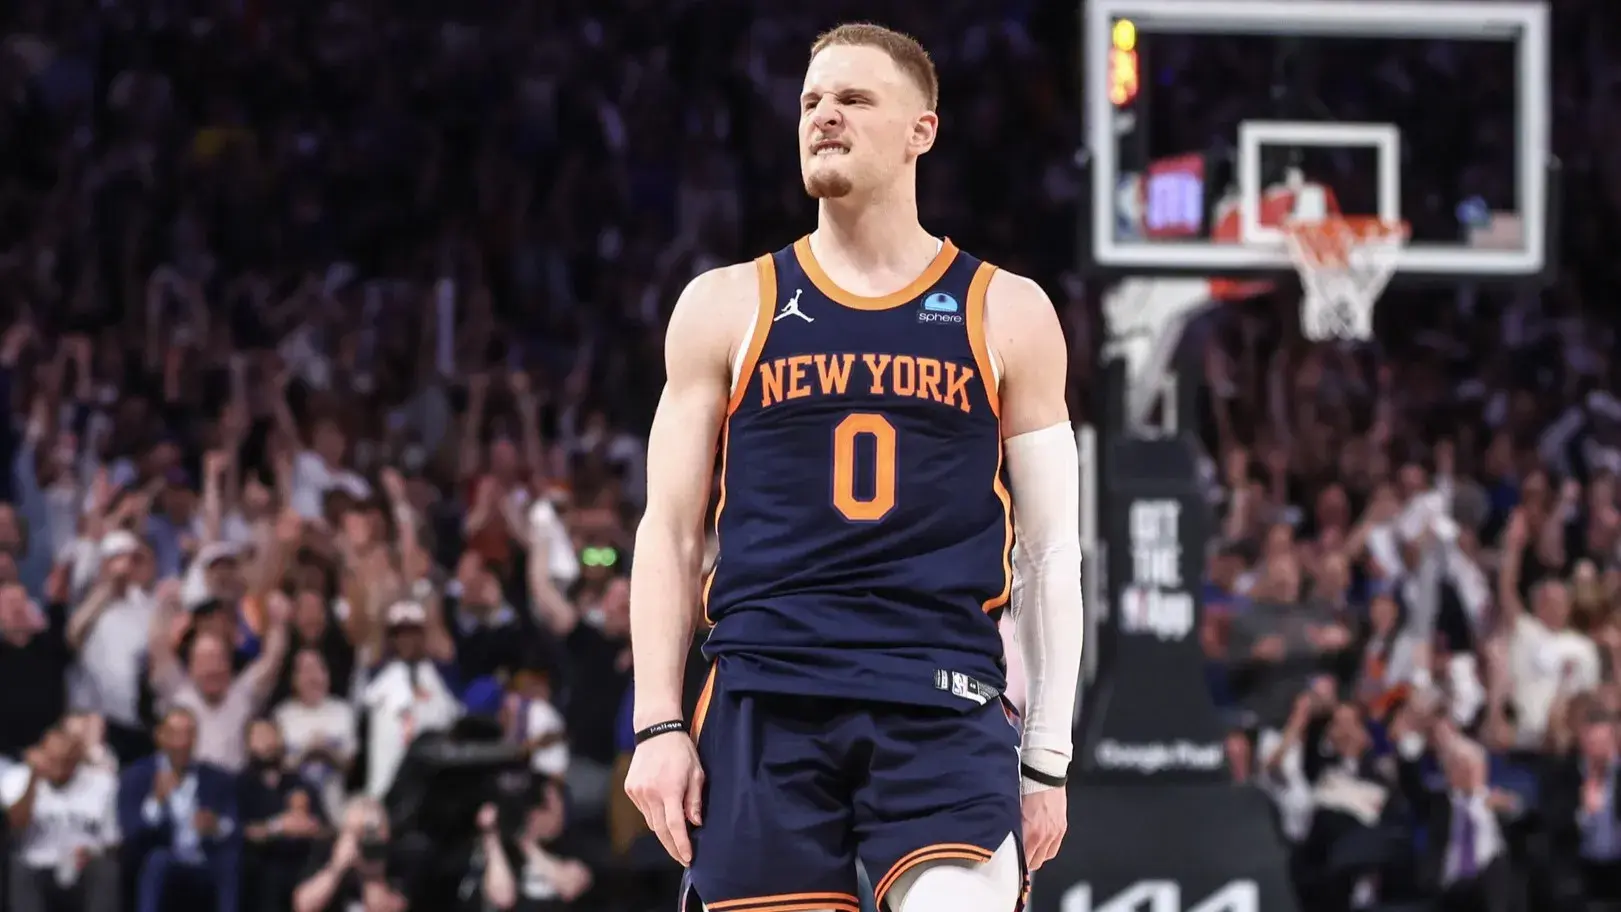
924	129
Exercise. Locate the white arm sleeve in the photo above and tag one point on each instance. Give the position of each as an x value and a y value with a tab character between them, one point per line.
1044	473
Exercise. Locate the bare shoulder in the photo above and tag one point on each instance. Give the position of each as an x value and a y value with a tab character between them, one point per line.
713	313
1020	319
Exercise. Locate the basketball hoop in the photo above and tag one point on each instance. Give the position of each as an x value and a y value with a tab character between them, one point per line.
1344	263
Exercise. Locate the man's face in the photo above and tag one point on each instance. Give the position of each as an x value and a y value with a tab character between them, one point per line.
264	742
330	443
505	460
61	755
309	615
862	121
1333	509
1346	732
1412	480
177	503
225	581
409	641
177	736
1598	740
210	666
310	679
1553	605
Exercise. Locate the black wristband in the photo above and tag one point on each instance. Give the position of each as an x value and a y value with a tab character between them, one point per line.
660	728
1041	778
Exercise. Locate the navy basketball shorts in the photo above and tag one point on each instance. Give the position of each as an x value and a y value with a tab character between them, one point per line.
798	788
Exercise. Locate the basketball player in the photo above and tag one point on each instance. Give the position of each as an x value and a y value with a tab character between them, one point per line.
879	397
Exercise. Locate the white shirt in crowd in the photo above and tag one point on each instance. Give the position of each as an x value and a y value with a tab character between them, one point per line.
107	677
330	726
398	713
220	726
312	478
1287	787
542	720
1538	659
83	813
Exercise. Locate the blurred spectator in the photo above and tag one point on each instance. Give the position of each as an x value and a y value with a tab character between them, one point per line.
1548	659
548	880
63	817
597	642
1468	863
179	820
108	631
34	660
282	817
406	696
489	883
318	731
1584	818
357	868
1279	643
221	701
532	720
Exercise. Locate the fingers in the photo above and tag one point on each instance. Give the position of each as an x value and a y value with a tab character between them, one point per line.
667	808
1043	835
695	797
1039	846
674	835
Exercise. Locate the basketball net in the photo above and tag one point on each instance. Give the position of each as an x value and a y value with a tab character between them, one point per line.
1344	262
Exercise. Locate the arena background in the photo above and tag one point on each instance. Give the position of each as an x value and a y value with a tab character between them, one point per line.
1336	589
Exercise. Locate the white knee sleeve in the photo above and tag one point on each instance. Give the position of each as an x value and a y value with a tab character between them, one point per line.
961	886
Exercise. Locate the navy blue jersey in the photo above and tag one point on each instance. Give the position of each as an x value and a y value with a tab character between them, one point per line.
864	526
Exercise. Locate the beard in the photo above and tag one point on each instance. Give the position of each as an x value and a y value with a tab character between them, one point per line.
828	184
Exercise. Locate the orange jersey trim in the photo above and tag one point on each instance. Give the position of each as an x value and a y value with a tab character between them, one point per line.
813	271
789	902
704	696
977	293
956	851
977	288
766	268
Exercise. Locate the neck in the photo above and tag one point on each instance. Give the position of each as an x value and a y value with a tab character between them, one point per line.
178	762
875	231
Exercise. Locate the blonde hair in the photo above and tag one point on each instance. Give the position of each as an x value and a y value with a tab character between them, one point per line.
905	50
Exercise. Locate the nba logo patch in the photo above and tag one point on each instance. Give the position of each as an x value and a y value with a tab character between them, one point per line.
940	302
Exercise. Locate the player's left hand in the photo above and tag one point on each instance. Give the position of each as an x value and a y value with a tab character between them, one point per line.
1046	818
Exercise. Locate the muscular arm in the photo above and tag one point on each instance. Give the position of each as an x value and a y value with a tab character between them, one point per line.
1044	477
665	581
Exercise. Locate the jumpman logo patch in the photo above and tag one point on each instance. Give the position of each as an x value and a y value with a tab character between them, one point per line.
791	309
